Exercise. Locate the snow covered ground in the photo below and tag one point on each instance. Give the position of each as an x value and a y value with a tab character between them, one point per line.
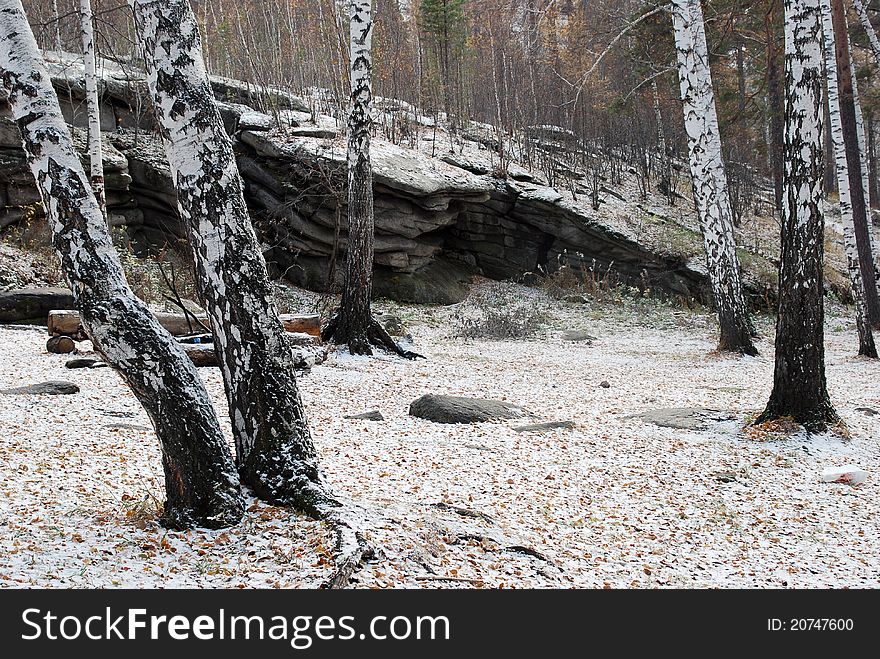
612	503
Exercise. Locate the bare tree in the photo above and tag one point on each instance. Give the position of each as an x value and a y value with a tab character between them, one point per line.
202	486
866	337
799	389
711	195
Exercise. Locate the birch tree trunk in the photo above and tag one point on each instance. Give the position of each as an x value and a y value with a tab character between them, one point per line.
354	314
96	163
201	484
709	178
275	453
865	20
861	133
799	389
850	119
353	324
874	40
866	337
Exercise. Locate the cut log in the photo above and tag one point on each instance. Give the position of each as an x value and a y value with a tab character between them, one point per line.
303	339
68	323
302	323
304	357
201	354
64	323
60	345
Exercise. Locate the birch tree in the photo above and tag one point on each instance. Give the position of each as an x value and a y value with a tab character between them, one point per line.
274	449
865	20
709	178
353	323
90	73
799	389
202	486
866	337
854	140
874	41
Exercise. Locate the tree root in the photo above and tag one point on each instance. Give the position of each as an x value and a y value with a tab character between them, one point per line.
353	551
376	336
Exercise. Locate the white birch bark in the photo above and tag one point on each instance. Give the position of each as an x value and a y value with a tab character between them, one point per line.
799	389
866	338
874	40
866	175
201	484
96	163
355	316
865	20
275	452
709	178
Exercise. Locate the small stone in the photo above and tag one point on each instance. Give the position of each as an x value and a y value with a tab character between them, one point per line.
540	427
372	415
84	363
51	388
605	384
577	336
392	324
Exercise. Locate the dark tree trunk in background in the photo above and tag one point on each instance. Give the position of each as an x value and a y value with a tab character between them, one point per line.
855	160
201	483
275	453
799	389
874	191
775	94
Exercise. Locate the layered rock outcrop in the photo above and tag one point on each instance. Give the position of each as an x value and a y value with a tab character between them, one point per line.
442	215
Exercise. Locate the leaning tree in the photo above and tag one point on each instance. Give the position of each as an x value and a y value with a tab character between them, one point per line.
709	179
353	323
799	389
202	486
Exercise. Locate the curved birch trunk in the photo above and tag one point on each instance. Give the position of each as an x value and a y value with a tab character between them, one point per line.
799	389
866	337
709	178
96	163
275	453
201	484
